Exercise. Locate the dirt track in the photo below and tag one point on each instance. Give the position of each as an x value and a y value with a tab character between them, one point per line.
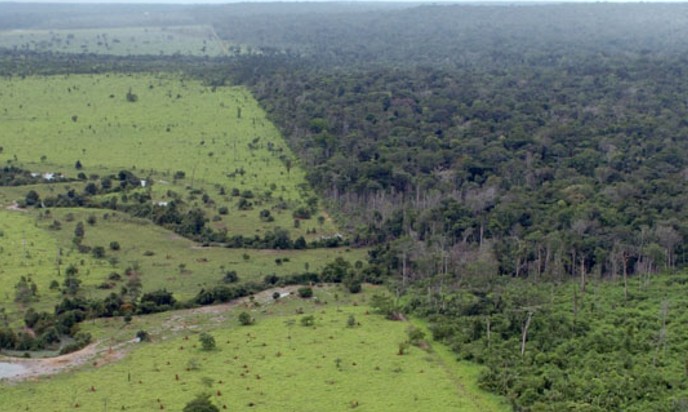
100	354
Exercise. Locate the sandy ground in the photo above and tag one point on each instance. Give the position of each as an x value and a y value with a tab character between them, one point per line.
15	207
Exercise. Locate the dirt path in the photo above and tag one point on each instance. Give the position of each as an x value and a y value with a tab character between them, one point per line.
15	207
35	368
100	353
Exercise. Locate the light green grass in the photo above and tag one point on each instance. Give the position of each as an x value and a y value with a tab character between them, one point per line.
30	248
27	250
172	40
49	123
272	365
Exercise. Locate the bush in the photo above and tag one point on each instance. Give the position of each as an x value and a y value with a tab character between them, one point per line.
308	320
98	252
201	404
143	336
230	277
245	319
207	342
355	287
305	292
351	321
114	245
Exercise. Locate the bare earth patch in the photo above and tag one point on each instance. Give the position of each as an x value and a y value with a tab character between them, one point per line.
99	353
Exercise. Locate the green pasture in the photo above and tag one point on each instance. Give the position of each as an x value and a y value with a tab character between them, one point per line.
219	139
122	41
29	247
275	364
27	250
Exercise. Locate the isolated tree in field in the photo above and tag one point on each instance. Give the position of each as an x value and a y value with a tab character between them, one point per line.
98	252
79	230
305	292
245	319
32	198
201	403
71	283
351	321
207	342
25	290
230	277
132	97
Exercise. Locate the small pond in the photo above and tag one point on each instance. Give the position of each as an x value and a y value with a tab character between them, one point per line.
8	370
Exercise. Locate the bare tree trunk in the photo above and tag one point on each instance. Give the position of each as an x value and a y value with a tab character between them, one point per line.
403	269
489	331
582	273
625	275
524	335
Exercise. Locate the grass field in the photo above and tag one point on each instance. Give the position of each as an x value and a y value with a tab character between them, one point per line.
275	364
171	40
164	260
219	138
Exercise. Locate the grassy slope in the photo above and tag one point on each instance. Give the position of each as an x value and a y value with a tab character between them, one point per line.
296	374
206	139
203	267
176	125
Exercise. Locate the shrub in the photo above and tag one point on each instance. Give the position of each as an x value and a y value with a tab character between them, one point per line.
98	252
305	292
201	403
230	277
351	321
207	342
308	320
143	336
245	319
355	287
114	245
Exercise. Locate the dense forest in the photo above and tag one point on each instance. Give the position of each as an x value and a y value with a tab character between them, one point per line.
545	139
466	145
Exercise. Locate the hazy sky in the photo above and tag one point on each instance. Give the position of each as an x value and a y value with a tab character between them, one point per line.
288	1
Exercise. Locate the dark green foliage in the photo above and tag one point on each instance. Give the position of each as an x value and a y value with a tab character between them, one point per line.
143	336
305	292
201	403
71	282
132	97
207	341
386	306
158	301
580	349
98	252
32	198
351	321
246	319
230	277
307	321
